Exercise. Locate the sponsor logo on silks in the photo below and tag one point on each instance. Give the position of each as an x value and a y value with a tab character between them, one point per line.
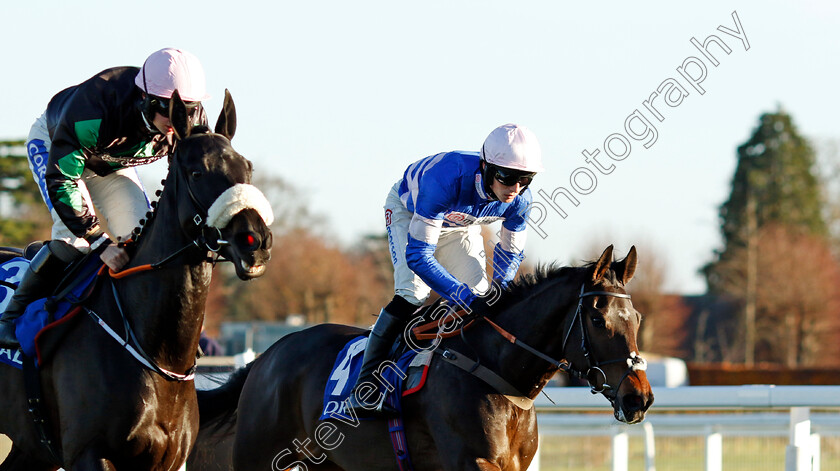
464	219
388	214
461	219
391	245
36	149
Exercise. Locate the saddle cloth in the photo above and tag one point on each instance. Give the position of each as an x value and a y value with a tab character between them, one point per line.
11	272
408	377
38	328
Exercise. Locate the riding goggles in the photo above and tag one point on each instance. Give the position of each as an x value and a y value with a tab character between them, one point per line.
510	177
161	105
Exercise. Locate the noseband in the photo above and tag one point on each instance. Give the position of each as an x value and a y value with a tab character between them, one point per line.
205	234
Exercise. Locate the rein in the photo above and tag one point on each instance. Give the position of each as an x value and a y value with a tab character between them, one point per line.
592	371
132	345
130	342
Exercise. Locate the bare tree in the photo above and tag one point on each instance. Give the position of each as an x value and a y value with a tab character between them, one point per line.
796	299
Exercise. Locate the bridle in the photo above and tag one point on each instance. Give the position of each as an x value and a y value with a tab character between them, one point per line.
205	234
204	237
199	240
593	370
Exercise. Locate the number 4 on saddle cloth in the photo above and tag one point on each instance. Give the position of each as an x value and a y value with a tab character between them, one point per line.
398	379
43	324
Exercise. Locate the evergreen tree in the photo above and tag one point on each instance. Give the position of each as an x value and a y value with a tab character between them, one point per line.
775	183
776	195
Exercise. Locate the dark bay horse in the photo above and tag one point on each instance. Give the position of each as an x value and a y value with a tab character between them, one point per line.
105	410
457	421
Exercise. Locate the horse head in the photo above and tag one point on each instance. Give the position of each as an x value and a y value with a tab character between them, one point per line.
220	207
605	325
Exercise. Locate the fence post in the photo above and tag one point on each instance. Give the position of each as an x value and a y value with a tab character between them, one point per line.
620	450
798	453
650	447
815	452
714	450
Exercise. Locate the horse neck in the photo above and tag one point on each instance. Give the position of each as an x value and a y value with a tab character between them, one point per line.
166	306
538	320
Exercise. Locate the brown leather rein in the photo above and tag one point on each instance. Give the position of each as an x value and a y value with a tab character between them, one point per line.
634	361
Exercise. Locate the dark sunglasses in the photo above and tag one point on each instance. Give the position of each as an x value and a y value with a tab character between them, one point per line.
509	177
161	105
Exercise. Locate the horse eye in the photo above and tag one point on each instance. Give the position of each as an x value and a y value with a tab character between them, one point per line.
601	302
196	174
599	322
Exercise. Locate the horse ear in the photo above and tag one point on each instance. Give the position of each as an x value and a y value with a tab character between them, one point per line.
178	118
226	124
603	264
626	268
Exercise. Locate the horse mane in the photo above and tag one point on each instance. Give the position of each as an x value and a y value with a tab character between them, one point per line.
524	286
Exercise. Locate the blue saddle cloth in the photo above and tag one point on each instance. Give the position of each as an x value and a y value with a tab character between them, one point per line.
11	272
345	371
37	317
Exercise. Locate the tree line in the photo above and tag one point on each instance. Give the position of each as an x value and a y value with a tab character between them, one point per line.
773	286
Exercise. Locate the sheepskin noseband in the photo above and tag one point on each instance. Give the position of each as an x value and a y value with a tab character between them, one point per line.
236	198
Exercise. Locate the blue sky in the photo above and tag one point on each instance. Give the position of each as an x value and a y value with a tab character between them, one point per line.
339	97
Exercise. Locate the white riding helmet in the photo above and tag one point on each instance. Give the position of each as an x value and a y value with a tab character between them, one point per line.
513	146
172	69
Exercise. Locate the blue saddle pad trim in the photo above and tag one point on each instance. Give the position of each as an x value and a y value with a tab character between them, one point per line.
36	316
345	371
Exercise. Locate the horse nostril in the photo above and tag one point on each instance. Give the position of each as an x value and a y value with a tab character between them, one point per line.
247	240
633	402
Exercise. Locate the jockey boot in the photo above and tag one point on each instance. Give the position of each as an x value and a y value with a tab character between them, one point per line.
385	332
45	270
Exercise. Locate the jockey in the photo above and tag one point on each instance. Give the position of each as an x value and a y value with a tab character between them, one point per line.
81	153
433	217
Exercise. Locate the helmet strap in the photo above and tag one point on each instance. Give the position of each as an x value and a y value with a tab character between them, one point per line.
487	179
146	111
146	122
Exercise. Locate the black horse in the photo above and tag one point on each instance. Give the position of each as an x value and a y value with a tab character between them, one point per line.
104	409
581	315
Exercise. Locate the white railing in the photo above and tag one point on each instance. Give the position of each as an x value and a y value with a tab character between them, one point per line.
728	411
773	410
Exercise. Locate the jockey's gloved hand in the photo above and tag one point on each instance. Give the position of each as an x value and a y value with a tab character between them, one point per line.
480	306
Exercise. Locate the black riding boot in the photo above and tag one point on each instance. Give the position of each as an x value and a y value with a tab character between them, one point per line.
45	270
386	330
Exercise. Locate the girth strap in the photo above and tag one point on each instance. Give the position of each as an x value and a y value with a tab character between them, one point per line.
488	376
35	406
